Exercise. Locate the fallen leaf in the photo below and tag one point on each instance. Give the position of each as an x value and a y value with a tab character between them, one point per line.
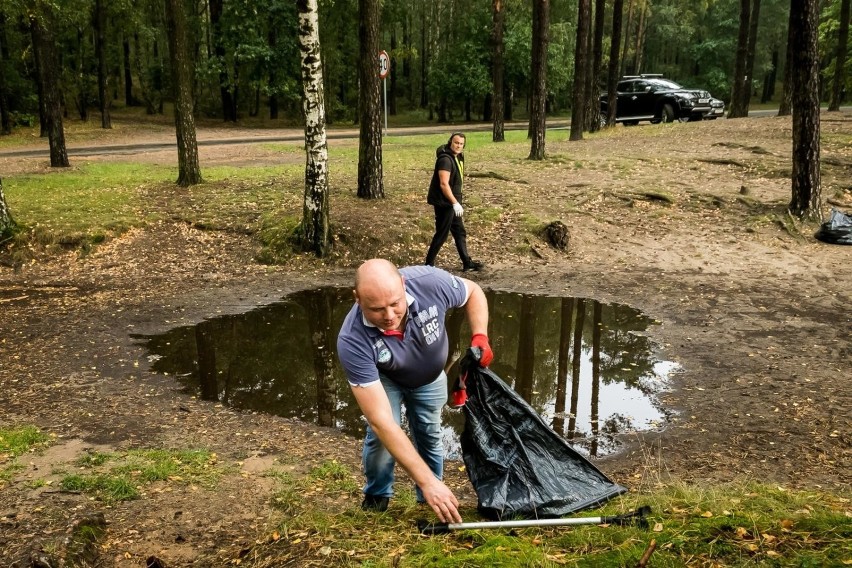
658	527
707	514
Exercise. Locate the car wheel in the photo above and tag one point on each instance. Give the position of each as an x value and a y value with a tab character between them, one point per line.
602	120
668	113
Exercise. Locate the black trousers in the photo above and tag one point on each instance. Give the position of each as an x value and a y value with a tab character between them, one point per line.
446	222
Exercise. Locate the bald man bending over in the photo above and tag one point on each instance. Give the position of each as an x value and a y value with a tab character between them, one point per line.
393	347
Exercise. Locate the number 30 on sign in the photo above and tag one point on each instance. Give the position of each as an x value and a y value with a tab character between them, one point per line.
384	64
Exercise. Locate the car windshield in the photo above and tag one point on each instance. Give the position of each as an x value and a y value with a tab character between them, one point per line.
658	84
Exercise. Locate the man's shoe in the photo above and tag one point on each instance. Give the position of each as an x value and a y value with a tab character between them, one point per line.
375	503
472	265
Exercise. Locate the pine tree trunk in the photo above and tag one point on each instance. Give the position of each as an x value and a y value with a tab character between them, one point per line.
786	106
51	104
370	183
805	200
614	64
839	84
104	99
391	92
5	115
623	70
129	99
592	117
538	115
229	103
737	110
748	80
498	17
314	233
580	61
189	171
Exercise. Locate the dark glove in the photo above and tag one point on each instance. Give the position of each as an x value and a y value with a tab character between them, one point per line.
480	340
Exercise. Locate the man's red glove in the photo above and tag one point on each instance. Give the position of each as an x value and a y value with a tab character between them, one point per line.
481	340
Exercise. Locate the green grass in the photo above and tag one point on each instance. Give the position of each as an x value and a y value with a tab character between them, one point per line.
120	477
15	442
747	524
18	441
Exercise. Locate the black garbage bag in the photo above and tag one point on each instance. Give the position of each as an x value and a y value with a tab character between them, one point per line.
837	230
517	464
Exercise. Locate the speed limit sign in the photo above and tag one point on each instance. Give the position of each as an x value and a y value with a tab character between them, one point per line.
384	64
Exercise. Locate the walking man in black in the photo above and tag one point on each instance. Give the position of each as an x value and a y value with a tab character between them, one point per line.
445	195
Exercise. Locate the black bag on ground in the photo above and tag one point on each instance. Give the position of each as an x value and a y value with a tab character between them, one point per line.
517	464
837	230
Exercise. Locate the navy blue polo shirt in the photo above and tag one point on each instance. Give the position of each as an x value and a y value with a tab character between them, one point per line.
419	356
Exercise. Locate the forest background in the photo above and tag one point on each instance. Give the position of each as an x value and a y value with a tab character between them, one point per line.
245	54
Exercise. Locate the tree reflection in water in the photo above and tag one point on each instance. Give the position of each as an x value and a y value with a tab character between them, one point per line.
282	359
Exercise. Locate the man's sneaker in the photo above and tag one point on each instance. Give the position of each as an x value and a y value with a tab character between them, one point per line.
375	503
472	265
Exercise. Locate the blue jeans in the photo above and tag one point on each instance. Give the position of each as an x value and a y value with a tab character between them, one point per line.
423	411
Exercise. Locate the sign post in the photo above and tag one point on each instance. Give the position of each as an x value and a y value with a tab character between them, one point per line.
384	70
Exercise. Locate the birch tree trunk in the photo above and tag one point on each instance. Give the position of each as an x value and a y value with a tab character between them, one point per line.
804	20
314	233
189	171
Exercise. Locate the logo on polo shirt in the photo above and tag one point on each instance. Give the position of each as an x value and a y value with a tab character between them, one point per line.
383	353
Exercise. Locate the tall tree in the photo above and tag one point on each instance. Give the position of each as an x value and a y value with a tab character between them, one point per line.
804	20
750	55
498	16
229	102
785	108
7	224
614	64
370	183
578	100
104	100
839	83
538	96
44	48
627	27
592	116
737	110
314	230
189	171
5	114
129	99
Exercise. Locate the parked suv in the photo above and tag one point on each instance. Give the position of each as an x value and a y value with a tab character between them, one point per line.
653	98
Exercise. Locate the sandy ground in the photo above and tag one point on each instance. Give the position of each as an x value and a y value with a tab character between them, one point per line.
757	316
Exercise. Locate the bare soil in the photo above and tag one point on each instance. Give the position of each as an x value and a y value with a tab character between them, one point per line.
687	224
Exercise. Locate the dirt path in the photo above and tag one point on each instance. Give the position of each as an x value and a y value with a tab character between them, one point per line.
758	318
